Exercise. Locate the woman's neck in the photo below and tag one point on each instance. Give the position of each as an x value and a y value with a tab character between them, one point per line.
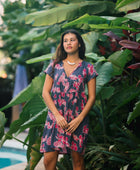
72	58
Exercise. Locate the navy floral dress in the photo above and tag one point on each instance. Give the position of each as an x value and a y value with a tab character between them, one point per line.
68	94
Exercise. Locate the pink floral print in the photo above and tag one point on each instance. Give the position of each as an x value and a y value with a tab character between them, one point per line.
68	94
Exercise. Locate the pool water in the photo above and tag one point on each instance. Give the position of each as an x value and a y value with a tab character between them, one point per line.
11	156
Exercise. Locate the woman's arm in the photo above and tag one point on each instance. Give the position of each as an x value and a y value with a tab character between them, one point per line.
49	102
91	100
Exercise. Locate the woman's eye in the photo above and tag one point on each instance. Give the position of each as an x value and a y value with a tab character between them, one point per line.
69	40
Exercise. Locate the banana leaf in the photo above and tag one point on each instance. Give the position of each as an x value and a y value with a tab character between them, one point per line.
68	12
86	19
106	26
105	72
41	58
100	22
134	16
90	40
126	5
119	59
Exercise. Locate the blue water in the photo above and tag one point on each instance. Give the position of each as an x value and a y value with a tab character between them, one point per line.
11	156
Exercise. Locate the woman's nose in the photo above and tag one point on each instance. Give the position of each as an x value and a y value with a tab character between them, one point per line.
69	42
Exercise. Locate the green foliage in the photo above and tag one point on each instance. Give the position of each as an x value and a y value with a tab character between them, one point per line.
35	156
113	140
68	12
2	123
33	89
100	22
134	16
135	113
105	71
126	5
119	60
39	59
65	163
88	39
33	114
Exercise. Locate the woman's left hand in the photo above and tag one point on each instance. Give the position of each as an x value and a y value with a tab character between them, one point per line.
72	126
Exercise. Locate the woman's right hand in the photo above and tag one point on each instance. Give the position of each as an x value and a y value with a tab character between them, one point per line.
61	121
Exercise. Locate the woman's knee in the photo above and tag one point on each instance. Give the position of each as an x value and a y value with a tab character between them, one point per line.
78	160
50	159
47	160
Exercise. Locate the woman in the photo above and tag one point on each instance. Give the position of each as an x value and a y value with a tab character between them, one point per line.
66	127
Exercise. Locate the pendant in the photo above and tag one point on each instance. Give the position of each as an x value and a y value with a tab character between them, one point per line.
70	63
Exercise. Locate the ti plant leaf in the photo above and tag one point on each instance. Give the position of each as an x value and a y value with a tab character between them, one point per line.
134	66
131	45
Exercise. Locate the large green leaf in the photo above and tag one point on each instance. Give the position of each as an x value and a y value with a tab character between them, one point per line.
134	16
87	19
90	40
2	123
68	12
25	95
37	120
135	113
41	58
40	33
119	59
123	96
106	92
106	26
30	110
35	156
126	5
105	71
33	34
94	57
100	22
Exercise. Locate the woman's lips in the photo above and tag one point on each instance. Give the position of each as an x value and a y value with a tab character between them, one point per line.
69	47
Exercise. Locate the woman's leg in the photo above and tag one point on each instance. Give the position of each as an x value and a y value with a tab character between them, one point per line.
50	160
78	161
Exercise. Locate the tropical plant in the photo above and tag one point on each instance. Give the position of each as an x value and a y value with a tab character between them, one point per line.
113	140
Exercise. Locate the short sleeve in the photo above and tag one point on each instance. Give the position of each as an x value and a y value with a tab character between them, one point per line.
49	69
91	72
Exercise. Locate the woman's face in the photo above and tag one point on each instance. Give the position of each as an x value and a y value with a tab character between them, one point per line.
70	43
